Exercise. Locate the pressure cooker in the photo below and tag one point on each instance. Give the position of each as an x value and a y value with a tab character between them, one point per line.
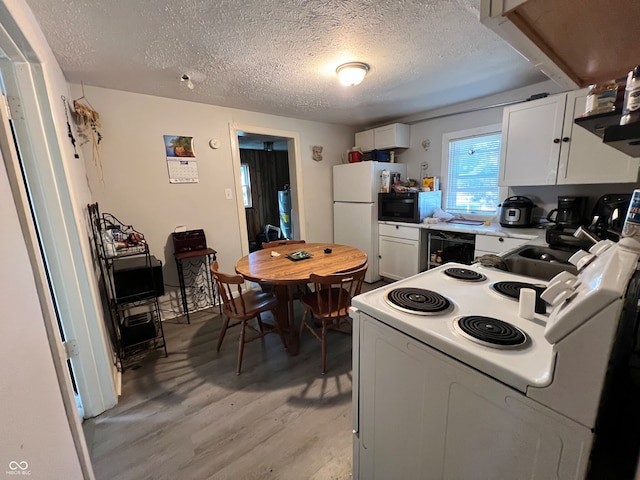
516	211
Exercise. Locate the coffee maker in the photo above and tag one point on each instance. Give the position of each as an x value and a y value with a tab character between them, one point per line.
566	219
570	211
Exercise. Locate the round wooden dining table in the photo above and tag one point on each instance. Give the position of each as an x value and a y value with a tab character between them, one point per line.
273	267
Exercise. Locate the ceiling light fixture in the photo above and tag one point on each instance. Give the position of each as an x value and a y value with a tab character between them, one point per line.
352	73
186	78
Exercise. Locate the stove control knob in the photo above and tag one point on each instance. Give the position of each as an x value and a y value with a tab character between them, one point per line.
601	246
586	260
560	288
581	259
575	258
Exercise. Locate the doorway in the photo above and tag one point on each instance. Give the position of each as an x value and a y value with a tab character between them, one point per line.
272	160
265	181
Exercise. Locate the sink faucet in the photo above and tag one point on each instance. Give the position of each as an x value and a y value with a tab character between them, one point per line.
582	232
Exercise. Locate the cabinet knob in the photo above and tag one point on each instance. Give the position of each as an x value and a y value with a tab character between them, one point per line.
565	139
500	239
556	140
397	227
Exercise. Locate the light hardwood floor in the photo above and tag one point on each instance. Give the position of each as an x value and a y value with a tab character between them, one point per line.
189	416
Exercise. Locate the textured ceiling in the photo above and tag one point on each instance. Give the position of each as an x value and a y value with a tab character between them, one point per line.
280	56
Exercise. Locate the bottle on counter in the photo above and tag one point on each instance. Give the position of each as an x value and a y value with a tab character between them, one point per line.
385	181
631	106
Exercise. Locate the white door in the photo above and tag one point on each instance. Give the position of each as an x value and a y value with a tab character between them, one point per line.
531	141
356	225
399	258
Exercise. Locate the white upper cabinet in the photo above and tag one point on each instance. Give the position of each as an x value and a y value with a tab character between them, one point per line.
584	158
364	141
387	137
541	145
531	139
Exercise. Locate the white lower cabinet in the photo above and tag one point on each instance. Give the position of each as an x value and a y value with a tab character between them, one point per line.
490	244
400	251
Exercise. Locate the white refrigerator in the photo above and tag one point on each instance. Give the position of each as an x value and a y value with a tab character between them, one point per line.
355	207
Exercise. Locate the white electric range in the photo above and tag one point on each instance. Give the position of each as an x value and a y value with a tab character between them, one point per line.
454	380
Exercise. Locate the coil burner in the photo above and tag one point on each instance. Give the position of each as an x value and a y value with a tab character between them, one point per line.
465	274
490	332
418	301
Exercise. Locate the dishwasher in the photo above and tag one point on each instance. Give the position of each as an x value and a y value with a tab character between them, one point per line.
443	247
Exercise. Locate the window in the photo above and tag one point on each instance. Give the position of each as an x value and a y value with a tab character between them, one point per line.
245	182
471	159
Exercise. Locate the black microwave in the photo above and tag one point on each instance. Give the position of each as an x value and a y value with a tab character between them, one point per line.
409	207
399	207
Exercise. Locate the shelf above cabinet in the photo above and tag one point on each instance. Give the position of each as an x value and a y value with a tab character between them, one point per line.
625	138
596	124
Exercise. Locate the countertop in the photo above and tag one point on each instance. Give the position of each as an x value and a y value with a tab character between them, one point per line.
535	235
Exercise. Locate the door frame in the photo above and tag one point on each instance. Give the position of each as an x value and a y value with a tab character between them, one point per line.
295	177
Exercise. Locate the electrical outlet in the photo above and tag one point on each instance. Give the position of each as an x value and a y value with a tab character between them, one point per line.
227	194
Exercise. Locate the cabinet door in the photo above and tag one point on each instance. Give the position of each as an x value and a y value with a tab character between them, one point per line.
395	135
399	258
584	158
531	139
364	140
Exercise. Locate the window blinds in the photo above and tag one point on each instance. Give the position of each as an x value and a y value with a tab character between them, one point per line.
472	185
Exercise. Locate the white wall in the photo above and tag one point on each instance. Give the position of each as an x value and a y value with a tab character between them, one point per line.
136	186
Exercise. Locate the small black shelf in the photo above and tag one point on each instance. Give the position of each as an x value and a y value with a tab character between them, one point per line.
132	282
625	138
597	124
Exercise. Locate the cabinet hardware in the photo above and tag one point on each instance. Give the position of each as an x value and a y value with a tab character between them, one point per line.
500	239
565	139
556	140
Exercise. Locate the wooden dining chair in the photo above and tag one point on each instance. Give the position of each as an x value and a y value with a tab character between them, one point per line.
278	243
242	306
329	304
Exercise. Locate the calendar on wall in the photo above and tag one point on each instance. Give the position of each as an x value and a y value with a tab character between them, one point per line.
181	161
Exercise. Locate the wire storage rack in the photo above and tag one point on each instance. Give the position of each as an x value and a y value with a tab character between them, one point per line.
132	282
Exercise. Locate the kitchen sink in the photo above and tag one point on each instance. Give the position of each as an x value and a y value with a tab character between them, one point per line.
539	262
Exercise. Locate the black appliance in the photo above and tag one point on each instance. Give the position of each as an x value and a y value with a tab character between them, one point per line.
516	211
606	223
609	214
402	207
561	237
570	211
134	279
